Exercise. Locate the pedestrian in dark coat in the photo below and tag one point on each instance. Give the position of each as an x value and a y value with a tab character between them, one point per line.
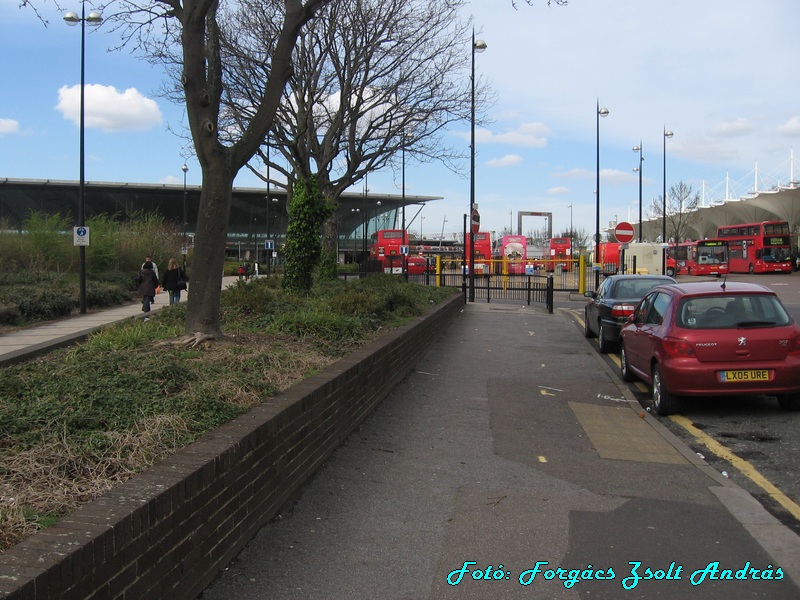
147	282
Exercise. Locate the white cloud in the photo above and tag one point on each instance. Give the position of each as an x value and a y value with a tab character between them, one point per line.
732	128
509	160
8	126
558	190
526	135
108	109
790	128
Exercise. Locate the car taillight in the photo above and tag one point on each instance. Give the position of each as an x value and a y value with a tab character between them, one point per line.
622	310
794	345
677	347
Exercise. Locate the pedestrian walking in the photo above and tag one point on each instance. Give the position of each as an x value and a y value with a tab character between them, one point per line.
174	281
148	259
147	282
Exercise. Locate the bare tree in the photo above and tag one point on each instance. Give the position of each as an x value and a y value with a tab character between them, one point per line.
189	37
374	83
192	37
682	203
580	238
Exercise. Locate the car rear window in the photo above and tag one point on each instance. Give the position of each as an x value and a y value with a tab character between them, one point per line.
725	311
635	288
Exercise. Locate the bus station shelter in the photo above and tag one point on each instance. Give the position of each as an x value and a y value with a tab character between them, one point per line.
257	214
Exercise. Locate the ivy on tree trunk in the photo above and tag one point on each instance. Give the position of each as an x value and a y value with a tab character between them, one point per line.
307	213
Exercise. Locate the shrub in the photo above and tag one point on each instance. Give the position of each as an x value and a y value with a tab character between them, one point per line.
102	295
44	304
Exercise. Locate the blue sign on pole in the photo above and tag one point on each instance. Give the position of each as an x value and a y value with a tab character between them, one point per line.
269	244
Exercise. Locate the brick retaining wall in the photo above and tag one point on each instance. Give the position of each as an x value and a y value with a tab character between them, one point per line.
167	532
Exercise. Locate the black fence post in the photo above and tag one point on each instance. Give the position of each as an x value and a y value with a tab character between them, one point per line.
550	294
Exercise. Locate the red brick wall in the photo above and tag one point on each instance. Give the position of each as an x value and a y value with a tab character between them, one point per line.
167	532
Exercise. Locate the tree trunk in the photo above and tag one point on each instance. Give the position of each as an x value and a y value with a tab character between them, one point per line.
209	249
330	235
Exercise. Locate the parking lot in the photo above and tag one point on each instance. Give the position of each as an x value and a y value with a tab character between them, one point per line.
751	440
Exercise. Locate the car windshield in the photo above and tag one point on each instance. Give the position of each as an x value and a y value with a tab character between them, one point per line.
726	310
635	288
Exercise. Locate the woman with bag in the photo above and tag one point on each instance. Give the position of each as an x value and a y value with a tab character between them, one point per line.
174	281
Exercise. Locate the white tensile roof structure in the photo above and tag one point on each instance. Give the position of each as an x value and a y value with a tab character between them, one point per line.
773	202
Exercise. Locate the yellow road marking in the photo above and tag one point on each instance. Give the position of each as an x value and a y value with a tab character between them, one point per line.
742	465
542	459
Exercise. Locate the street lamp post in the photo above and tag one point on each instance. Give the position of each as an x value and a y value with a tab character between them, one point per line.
639	170
185	169
667	134
477	46
71	18
601	112
570	223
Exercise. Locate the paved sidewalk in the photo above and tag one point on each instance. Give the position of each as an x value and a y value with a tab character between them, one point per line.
42	338
513	451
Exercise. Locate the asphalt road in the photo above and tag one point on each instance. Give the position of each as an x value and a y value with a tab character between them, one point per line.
756	438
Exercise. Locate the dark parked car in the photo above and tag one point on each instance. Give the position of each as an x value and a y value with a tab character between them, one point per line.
612	303
707	339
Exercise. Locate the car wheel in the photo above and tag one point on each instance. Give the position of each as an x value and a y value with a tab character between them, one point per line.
664	402
603	343
670	271
789	402
624	367
751	269
587	331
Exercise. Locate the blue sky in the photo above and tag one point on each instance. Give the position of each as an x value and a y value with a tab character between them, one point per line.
721	75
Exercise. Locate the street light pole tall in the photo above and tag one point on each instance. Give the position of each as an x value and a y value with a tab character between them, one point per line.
639	170
71	18
185	170
601	112
667	134
477	46
570	224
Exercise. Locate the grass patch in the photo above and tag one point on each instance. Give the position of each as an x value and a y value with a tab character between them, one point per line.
78	421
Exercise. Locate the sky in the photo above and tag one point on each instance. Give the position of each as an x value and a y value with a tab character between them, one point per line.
720	75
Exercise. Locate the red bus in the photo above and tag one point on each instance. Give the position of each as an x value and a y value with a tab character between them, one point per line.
608	258
513	254
703	257
483	252
758	247
385	248
560	254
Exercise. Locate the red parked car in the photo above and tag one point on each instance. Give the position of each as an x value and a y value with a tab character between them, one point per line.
712	339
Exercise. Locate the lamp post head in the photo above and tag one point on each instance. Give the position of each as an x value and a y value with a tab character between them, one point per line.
603	112
668	134
479	46
93	18
184	168
637	148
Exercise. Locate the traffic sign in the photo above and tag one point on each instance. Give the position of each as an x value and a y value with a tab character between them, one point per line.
624	232
80	236
475	225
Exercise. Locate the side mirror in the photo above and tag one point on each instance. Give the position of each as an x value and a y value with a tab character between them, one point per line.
588	294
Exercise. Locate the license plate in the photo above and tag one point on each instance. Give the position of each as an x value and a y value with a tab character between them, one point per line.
737	376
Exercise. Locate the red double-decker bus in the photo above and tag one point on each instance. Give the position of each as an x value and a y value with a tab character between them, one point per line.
703	257
560	255
758	247
385	247
513	254
483	252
